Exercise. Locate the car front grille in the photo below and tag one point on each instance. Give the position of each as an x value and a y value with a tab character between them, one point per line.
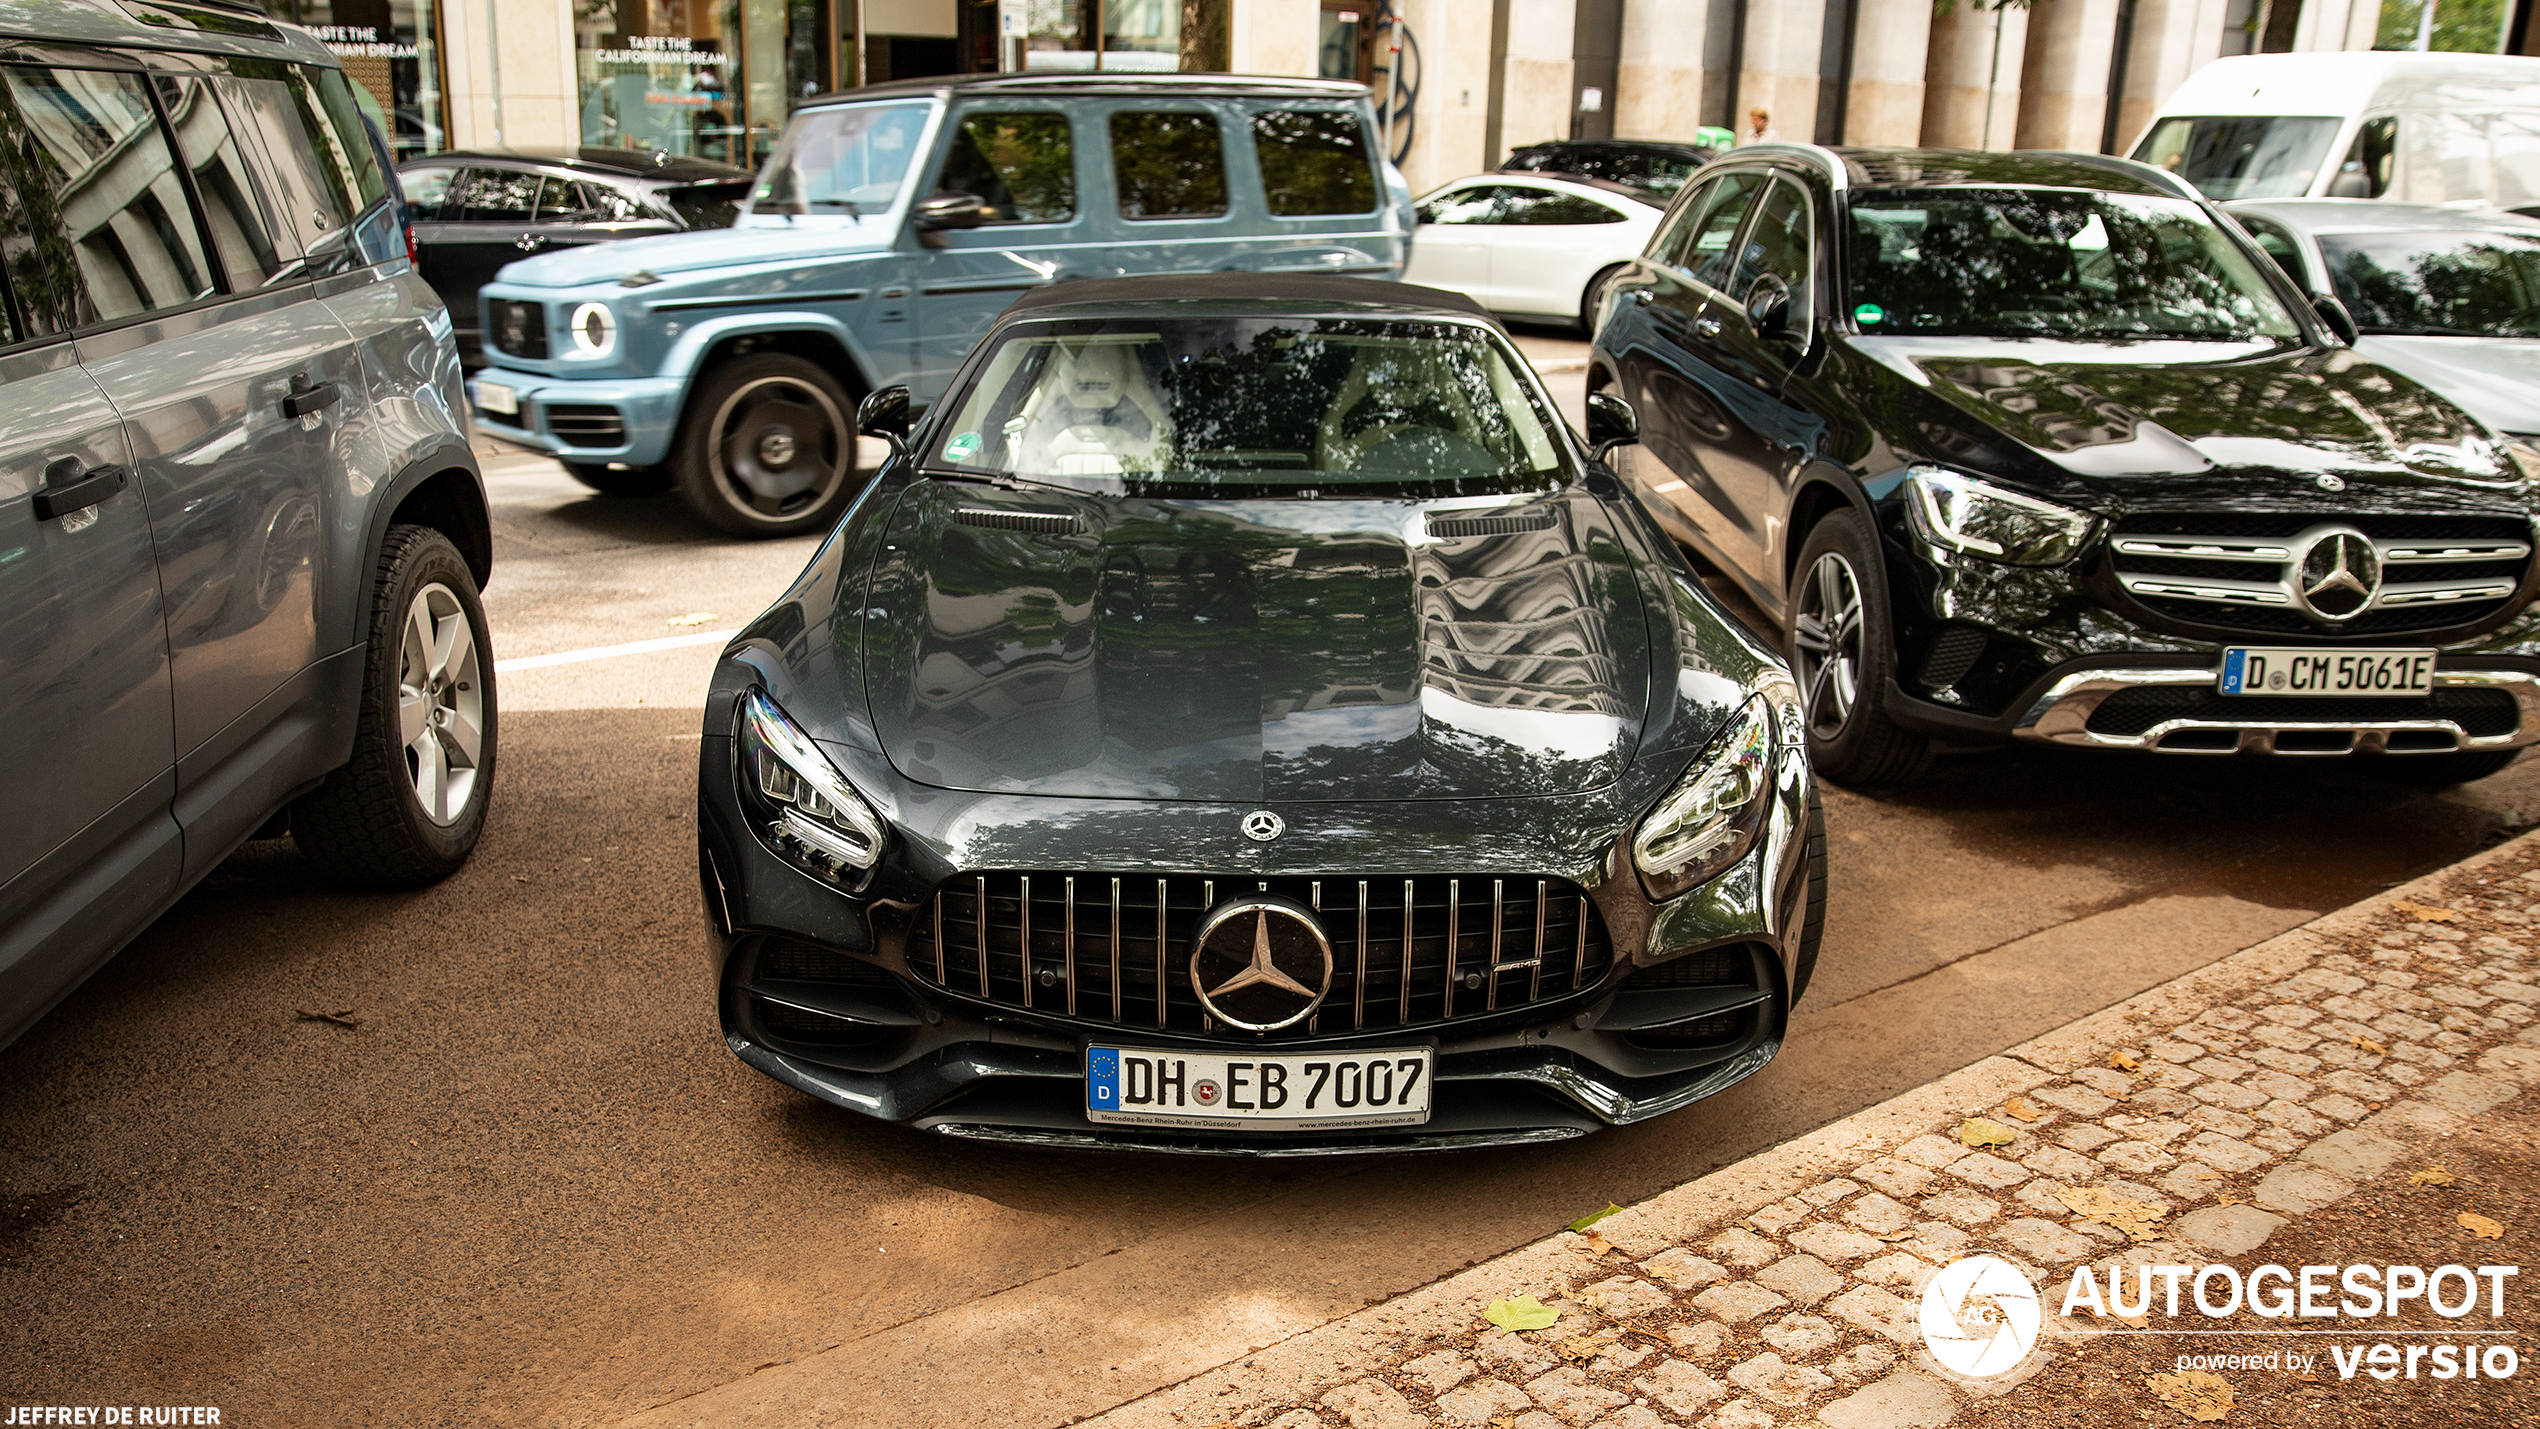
2243	571
519	329
576	425
2479	713
1115	950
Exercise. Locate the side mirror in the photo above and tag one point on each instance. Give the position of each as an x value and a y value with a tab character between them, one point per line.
1611	423
941	213
1768	307
884	414
2339	321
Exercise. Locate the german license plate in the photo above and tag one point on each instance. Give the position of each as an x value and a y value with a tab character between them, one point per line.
2259	670
494	397
1273	1091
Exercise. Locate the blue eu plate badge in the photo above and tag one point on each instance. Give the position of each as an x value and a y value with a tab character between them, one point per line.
2234	671
1102	1079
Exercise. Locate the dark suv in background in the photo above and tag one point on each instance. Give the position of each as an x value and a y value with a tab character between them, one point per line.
2039	446
241	534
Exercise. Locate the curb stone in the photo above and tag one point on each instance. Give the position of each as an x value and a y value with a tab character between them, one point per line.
1781	1290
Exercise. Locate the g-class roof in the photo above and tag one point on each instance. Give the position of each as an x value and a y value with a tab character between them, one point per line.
1305	292
1103	84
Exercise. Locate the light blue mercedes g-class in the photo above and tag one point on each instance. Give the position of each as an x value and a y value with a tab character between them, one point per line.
890	225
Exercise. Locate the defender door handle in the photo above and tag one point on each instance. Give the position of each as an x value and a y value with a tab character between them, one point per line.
69	486
305	399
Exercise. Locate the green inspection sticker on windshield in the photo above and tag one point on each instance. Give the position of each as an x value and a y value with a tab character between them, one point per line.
1869	315
962	447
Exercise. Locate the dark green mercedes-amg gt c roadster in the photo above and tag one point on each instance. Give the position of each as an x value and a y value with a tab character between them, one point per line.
1242	717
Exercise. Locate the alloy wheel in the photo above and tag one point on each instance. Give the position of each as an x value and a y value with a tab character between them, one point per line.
440	703
778	447
1826	636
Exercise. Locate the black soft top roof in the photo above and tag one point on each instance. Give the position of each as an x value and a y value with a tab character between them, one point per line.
1297	290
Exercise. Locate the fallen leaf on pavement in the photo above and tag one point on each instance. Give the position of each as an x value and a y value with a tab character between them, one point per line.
2366	1044
694	617
1523	1313
1893	1237
2482	1227
2432	1176
2019	1107
2425	914
2124	1062
1976	1131
2198	1395
2140	1220
344	1018
1592	1217
1597	1244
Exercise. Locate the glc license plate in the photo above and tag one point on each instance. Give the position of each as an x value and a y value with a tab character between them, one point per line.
1274	1091
494	397
2260	670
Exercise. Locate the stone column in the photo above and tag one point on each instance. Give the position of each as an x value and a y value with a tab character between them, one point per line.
1780	68
2172	40
1453	104
1658	90
1891	43
2064	84
1274	36
1974	72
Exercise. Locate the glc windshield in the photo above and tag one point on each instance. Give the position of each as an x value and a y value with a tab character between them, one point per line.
2241	155
2062	263
850	159
2451	284
1237	406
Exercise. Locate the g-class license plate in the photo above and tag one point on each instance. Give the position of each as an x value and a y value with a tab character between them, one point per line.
2260	670
1290	1091
494	397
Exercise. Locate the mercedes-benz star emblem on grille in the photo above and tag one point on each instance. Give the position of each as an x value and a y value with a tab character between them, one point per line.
2340	574
1261	826
1260	963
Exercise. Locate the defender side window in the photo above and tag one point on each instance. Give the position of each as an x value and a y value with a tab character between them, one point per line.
130	236
1168	164
1021	165
271	108
241	234
1313	162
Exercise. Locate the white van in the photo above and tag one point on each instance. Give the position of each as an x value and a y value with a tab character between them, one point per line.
2428	128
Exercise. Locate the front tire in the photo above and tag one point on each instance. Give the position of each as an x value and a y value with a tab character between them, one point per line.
409	806
1843	652
768	447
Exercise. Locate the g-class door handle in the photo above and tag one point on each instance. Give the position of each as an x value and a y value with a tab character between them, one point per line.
306	398
1706	328
70	485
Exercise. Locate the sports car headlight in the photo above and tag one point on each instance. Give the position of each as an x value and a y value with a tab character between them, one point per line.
811	815
1710	819
1976	518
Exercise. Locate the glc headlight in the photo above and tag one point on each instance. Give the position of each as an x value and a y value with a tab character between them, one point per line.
806	809
1712	816
594	330
1976	518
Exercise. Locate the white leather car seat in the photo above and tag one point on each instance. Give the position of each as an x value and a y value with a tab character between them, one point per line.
1093	414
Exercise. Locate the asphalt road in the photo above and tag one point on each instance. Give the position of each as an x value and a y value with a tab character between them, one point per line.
533	1187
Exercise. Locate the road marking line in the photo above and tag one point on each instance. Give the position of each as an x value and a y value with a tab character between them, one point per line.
611	652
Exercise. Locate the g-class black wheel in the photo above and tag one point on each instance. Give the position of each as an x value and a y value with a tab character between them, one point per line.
768	447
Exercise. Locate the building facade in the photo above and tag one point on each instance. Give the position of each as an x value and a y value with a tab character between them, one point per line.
1459	83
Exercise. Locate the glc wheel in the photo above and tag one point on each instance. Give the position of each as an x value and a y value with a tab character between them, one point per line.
408	807
769	447
1842	652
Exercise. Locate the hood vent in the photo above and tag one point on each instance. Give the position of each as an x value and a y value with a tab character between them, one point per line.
1039	523
1508	523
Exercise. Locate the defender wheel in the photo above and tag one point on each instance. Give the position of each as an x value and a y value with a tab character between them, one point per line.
2441	771
642	481
1842	652
407	809
768	448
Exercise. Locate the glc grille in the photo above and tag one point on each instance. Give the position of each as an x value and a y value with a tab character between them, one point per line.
1115	951
2268	573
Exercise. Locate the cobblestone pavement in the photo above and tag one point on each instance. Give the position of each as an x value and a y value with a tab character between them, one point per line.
1784	1291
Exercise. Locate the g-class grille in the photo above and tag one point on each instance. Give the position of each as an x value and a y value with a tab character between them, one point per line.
1115	951
2301	574
518	329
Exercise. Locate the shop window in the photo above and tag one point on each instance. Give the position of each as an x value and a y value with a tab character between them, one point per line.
1137	35
1168	165
395	68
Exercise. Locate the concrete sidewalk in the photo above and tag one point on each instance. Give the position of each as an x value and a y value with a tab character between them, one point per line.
1781	1291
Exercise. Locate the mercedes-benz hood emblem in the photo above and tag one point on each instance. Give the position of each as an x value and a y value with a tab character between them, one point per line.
1261	826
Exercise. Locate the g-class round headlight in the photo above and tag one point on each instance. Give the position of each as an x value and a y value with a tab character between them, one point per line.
1958	513
594	330
803	806
1712	816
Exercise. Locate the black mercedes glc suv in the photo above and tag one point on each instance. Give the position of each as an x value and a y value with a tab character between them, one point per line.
2039	446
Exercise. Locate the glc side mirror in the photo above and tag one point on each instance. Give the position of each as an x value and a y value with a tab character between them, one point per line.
884	414
1611	423
935	216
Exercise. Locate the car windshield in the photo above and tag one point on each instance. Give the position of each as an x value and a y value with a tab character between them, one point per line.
1656	173
2454	284
850	159
2241	155
1241	406
712	205
2061	263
